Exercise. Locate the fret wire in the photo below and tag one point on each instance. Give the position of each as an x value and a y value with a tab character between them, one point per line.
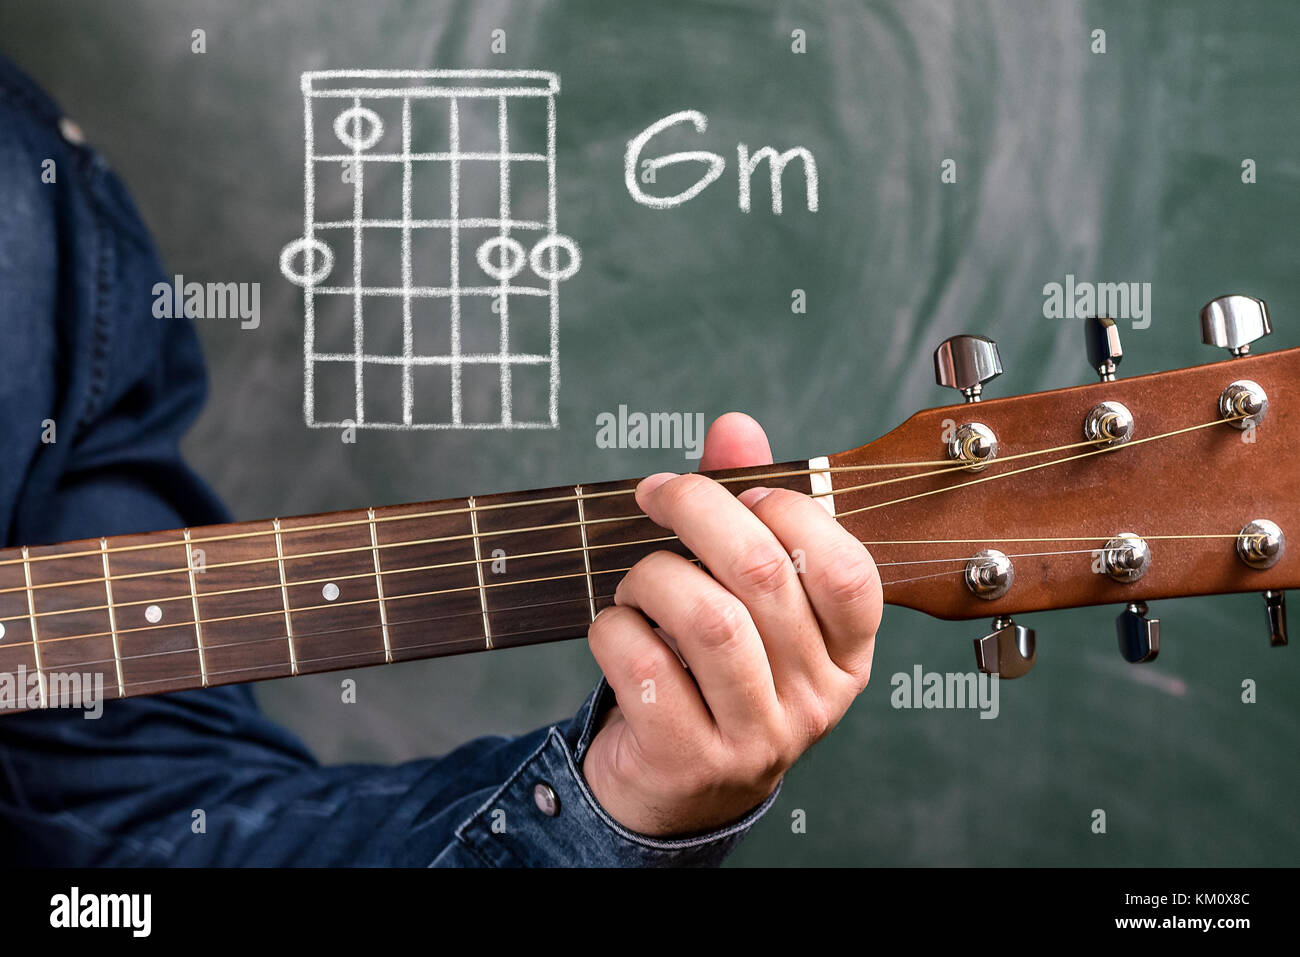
36	645
284	593
112	618
194	601
942	467
586	555
379	578
478	568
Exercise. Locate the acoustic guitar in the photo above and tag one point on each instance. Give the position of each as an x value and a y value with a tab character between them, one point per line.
986	509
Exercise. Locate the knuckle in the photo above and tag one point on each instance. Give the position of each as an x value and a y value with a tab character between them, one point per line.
678	491
645	665
817	719
752	767
781	499
848	576
704	772
717	620
860	675
608	621
771	761
762	568
766	750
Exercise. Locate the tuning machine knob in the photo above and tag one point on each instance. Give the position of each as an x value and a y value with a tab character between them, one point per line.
1101	337
1139	636
1126	557
973	443
965	363
1234	322
1008	652
1275	606
1260	544
989	574
1110	424
1244	403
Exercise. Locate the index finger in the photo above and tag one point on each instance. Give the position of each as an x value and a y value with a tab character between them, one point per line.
728	538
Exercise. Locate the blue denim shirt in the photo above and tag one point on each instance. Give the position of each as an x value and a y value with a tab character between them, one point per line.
79	345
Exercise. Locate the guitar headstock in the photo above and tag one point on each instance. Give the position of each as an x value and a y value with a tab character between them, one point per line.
1123	491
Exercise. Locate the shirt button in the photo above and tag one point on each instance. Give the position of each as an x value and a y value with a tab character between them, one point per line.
547	801
71	132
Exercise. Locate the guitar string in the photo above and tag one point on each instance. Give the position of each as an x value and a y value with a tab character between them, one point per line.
280	610
947	466
425	568
1031	468
942	466
638	516
38	641
475	641
478	645
479	535
414	569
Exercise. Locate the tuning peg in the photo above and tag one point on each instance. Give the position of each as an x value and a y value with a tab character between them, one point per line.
1234	322
1275	605
1101	335
1009	651
965	363
1139	636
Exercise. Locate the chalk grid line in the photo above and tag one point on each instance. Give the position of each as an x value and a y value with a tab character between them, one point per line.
359	128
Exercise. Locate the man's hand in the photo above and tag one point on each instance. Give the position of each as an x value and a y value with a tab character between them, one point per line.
776	656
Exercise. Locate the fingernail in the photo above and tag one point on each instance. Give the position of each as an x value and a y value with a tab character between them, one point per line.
752	496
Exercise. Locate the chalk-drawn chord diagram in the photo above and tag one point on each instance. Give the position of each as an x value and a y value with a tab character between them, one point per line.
430	261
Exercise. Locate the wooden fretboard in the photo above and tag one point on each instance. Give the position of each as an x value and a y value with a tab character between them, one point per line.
192	608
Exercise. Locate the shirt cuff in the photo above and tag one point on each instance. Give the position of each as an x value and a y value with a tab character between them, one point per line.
546	815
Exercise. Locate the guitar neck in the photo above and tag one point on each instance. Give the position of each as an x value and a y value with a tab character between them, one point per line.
198	607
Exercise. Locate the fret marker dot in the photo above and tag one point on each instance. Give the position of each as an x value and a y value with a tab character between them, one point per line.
2	629
153	614
330	591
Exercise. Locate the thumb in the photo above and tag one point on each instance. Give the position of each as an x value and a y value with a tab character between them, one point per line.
734	441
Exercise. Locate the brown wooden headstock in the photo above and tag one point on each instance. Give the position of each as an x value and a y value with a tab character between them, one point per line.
1053	520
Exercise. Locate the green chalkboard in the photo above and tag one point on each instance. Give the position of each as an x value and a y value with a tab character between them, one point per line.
1111	156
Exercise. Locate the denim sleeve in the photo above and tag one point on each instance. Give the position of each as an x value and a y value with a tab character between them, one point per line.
203	777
